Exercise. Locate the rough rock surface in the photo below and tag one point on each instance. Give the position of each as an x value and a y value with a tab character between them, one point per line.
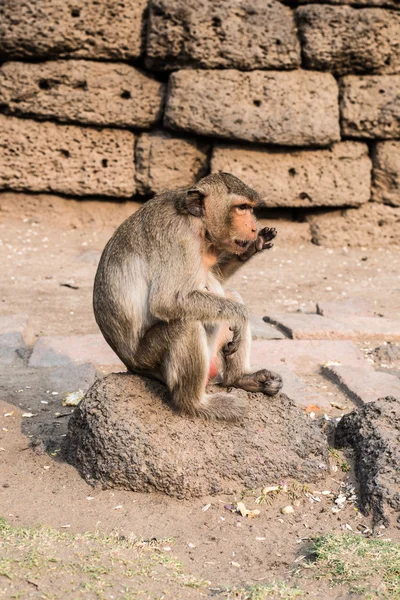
344	40
16	334
164	161
293	108
81	91
370	106
371	224
373	432
227	33
109	29
45	157
386	172
339	176
360	3
124	435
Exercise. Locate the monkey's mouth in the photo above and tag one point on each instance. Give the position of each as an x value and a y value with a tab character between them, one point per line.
242	243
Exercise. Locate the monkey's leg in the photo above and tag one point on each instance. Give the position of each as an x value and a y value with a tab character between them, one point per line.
178	354
237	370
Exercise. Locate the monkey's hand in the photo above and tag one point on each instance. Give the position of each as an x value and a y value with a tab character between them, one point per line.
263	242
233	346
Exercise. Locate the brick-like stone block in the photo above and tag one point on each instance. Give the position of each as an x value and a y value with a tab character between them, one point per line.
345	40
110	29
228	33
339	176
346	308
80	91
386	172
300	326
45	157
16	335
295	108
260	330
370	106
371	224
165	161
56	351
359	3
373	328
363	385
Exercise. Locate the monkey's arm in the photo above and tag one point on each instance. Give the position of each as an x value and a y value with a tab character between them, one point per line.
228	264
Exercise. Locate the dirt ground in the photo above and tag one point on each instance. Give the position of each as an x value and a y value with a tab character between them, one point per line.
49	248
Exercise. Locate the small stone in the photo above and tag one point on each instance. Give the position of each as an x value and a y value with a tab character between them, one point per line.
287	510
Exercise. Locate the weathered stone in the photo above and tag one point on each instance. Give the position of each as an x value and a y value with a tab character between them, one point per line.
72	377
56	351
345	40
16	335
164	161
359	3
227	33
370	106
373	432
339	176
387	353
386	173
293	108
124	435
45	157
373	328
371	224
302	394
348	307
76	28
264	331
299	326
80	91
363	384
304	357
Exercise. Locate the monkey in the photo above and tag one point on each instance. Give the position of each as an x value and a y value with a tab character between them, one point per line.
160	301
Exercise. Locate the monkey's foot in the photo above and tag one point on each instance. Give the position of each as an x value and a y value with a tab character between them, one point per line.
225	407
263	381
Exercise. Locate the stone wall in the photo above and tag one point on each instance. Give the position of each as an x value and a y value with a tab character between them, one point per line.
122	98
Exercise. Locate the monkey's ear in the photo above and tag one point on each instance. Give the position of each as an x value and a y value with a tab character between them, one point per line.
191	203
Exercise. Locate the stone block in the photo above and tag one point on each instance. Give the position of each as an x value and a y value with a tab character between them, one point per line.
348	307
124	435
57	351
295	108
46	157
260	330
72	377
370	225
300	326
164	161
342	39
373	328
81	91
16	335
72	28
304	357
358	3
363	385
339	176
386	173
302	394
370	106
373	433
229	33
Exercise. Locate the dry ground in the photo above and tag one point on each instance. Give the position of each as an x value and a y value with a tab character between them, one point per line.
49	244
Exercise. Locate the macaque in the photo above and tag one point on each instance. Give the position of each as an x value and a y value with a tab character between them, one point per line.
160	298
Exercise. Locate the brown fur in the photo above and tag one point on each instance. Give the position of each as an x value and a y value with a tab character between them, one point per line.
159	298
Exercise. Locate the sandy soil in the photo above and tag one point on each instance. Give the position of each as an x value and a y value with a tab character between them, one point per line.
49	249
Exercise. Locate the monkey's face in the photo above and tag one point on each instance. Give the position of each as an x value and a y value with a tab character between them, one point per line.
235	228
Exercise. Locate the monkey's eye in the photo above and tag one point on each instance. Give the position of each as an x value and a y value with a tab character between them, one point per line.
243	208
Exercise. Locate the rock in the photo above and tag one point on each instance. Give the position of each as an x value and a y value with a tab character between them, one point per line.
264	331
73	377
348	307
360	3
386	173
345	40
339	176
230	34
81	91
304	357
300	326
78	28
55	351
124	435
292	108
370	106
45	157
373	432
387	353
164	161
371	224
373	328
363	385
16	335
